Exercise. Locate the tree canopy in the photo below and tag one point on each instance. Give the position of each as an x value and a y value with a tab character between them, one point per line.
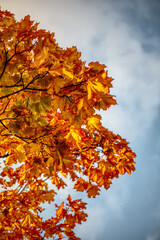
50	129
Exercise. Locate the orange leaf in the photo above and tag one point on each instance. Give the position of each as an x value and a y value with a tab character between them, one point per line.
60	210
41	57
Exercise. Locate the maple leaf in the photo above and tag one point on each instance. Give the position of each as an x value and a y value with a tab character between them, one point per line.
93	191
95	86
59	211
94	122
41	57
74	135
67	73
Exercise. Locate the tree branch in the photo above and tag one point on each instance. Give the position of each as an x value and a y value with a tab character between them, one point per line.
5	107
37	89
26	87
5	155
3	124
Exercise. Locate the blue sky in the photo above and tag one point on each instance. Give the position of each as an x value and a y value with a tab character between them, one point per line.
124	35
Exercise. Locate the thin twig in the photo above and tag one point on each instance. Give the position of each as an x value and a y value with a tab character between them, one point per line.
3	124
6	155
5	107
22	189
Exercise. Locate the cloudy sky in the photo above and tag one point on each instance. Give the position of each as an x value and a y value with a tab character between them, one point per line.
124	35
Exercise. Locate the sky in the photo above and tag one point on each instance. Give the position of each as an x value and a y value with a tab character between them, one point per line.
125	36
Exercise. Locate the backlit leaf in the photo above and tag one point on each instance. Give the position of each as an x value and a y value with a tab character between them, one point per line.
67	73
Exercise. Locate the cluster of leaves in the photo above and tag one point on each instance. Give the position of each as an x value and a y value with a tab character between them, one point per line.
50	129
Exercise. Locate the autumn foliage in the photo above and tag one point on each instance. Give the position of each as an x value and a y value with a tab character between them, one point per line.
50	130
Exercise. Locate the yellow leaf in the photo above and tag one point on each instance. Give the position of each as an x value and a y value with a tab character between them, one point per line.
94	122
74	134
89	90
67	73
20	148
95	177
27	221
95	86
22	178
34	147
104	75
99	87
80	104
53	121
58	84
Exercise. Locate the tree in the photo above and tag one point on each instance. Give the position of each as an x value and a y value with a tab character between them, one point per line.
50	129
